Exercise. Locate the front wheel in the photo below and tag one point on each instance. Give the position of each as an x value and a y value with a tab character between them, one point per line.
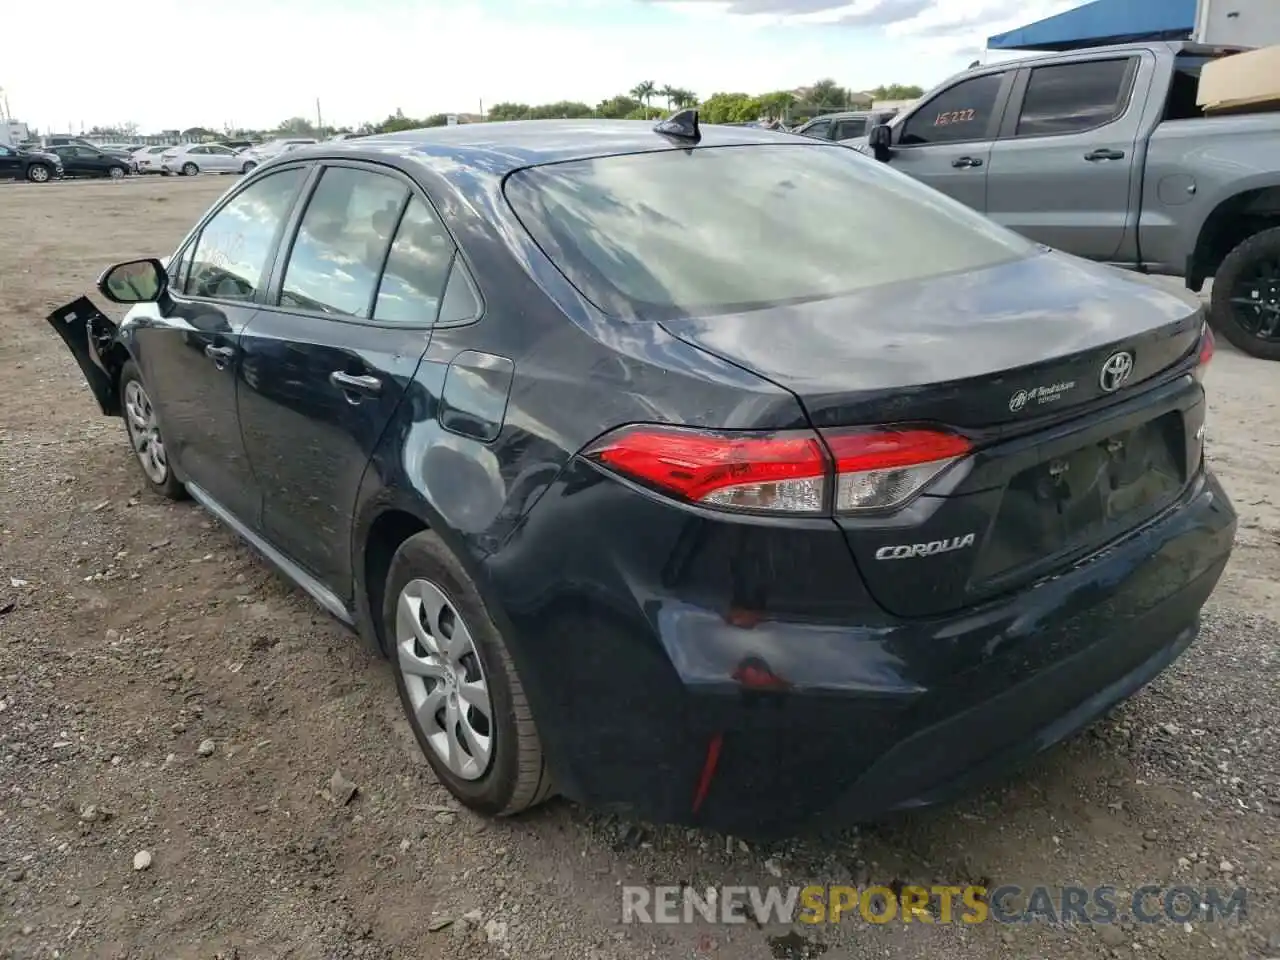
458	684
249	165
1245	303
117	173
39	173
190	169
144	436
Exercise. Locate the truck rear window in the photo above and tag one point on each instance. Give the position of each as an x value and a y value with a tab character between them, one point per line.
715	229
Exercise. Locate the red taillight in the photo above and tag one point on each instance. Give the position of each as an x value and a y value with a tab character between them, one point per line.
883	469
1208	345
793	472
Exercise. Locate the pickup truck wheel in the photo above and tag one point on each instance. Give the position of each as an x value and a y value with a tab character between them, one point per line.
1245	304
460	690
39	173
144	436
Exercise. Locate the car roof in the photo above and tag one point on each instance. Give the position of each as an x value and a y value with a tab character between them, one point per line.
495	149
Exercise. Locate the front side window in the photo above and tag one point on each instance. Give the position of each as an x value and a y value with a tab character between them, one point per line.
962	112
342	242
234	248
1073	97
667	233
417	268
820	129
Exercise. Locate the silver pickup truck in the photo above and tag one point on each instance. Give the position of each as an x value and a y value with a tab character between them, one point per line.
1103	153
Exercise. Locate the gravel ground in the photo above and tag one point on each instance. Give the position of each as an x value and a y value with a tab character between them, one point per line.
172	716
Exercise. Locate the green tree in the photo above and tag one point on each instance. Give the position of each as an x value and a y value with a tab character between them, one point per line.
616	108
827	95
644	91
679	97
778	104
509	111
897	91
296	127
730	108
561	110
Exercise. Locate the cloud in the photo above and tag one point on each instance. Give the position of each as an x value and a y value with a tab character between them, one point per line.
924	18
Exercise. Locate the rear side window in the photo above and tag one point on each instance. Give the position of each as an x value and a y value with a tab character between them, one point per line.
721	228
1073	97
848	129
343	240
417	268
231	255
962	112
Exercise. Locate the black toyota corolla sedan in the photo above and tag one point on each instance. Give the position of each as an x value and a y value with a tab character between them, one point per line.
708	474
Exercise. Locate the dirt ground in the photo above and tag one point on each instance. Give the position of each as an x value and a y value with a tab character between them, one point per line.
132	631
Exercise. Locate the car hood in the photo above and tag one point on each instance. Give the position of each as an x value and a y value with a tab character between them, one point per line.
918	349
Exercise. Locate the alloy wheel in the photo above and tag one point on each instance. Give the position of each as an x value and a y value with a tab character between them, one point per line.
39	174
442	672
117	173
1255	301
144	433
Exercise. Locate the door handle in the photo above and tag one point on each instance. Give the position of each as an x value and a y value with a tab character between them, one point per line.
1104	154
963	162
219	355
352	383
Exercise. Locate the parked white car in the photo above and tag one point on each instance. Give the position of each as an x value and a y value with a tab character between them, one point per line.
147	159
190	159
273	148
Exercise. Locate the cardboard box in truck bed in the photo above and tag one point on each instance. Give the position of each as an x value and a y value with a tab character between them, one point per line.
1241	81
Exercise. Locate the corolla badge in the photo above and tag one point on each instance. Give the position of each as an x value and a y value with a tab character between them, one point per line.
1116	371
910	551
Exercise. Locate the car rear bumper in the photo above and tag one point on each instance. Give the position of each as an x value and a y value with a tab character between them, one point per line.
630	668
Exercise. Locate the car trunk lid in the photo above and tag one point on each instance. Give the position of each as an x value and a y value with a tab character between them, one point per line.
1061	374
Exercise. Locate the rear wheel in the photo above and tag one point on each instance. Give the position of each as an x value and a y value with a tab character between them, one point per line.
1245	303
144	436
117	173
190	169
249	165
458	684
39	173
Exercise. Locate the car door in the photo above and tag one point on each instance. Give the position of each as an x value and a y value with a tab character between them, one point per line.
71	164
10	164
327	363
1062	172
219	159
188	345
946	141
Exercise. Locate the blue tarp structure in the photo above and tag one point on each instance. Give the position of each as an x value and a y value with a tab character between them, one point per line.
1101	22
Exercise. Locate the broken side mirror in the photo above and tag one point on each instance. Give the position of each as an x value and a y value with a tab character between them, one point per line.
135	281
881	141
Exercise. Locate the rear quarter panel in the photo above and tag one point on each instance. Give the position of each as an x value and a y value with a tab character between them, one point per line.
1193	166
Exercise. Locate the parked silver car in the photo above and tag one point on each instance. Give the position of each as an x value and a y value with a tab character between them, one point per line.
190	159
272	148
147	159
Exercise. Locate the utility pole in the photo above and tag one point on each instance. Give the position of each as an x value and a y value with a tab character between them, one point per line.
319	119
482	108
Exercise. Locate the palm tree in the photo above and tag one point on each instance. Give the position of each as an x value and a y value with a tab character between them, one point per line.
668	93
644	91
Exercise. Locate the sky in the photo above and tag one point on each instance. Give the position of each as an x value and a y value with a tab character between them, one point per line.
168	64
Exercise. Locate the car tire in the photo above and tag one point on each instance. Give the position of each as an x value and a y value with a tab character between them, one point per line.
248	166
39	173
446	652
144	435
1231	319
117	173
190	169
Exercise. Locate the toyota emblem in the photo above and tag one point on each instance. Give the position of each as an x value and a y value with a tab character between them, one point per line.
1116	371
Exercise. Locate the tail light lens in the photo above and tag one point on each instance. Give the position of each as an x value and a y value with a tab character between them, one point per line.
794	472
883	469
1208	345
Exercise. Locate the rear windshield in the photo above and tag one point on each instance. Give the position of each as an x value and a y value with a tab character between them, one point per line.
716	229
